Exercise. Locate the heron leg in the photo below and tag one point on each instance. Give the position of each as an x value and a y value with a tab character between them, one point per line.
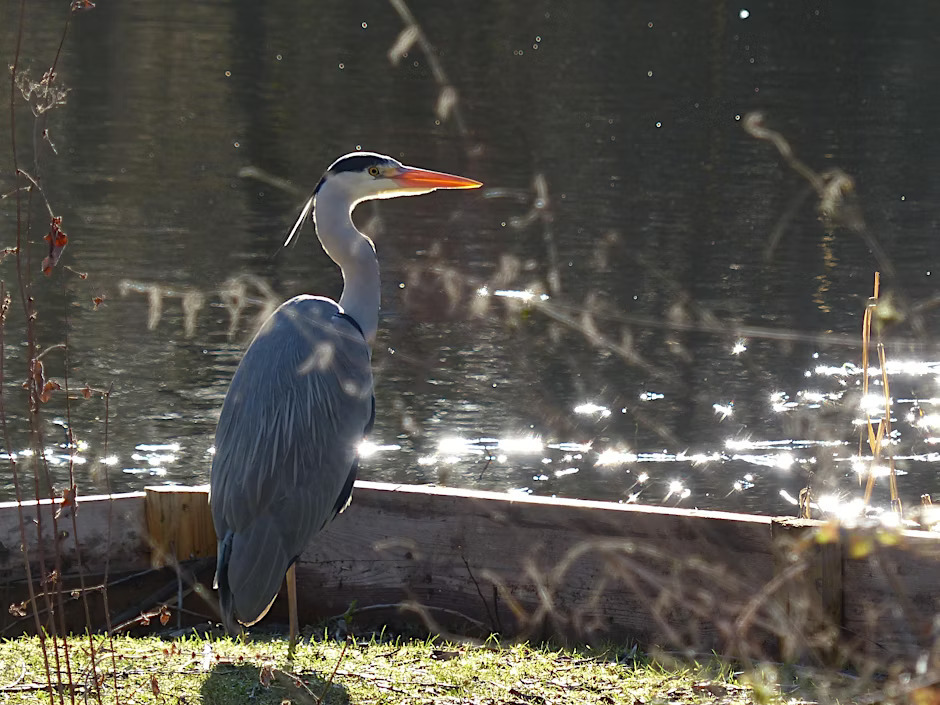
292	608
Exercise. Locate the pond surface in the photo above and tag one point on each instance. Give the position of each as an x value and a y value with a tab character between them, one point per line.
646	302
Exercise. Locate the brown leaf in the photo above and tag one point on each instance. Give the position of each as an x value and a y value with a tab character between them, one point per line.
57	240
47	389
69	498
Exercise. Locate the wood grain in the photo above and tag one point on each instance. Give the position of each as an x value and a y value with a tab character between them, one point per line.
179	524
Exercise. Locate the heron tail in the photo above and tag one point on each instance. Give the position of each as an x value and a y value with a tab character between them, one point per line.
226	605
251	567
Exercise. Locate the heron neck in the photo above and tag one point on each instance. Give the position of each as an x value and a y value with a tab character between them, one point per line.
355	255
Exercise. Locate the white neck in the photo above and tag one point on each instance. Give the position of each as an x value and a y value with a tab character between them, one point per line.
355	255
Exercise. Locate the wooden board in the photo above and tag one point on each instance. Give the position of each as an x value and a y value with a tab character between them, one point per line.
107	528
179	524
533	567
892	593
103	534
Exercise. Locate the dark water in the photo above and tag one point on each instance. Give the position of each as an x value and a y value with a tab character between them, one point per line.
644	303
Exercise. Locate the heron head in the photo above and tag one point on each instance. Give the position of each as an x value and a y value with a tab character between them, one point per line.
364	176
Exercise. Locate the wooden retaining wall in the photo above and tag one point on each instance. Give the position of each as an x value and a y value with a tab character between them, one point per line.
472	563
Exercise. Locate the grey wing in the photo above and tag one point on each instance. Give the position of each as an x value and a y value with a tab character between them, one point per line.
286	446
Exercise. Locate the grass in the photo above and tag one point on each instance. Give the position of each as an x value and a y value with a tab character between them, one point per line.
195	669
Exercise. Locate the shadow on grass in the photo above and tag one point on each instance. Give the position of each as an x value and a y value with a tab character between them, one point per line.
239	683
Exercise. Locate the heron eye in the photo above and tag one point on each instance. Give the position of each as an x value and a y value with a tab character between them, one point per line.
373	171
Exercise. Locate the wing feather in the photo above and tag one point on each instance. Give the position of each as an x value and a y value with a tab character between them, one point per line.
287	443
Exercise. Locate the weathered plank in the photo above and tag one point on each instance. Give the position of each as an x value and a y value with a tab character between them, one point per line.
535	566
104	534
179	524
810	575
109	529
891	595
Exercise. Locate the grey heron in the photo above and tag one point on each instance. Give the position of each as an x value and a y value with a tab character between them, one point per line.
300	402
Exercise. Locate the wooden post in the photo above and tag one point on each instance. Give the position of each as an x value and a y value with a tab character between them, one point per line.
810	572
179	524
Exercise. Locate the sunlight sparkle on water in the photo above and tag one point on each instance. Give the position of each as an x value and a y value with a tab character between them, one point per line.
147	447
782	461
739	347
154	460
735	444
930	401
678	489
698	458
847	509
911	368
521	295
571	447
153	472
615	457
873	404
591	408
780	402
367	448
453	445
50	455
847	369
927	421
840	507
651	396
862	467
858	466
723	410
110	460
815	399
930	515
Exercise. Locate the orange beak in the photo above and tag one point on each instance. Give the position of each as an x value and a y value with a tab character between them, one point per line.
410	177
